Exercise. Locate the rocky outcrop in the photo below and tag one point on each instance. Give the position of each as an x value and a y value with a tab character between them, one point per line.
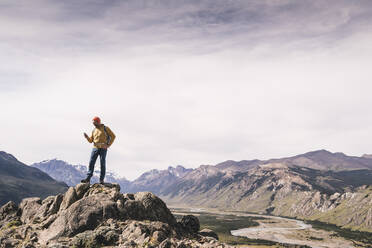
99	215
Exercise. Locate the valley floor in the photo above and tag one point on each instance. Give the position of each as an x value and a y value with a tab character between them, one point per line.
290	231
270	228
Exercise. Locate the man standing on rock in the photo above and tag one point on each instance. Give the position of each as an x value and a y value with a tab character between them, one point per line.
102	138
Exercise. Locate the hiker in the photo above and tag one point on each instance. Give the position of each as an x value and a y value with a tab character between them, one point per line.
102	138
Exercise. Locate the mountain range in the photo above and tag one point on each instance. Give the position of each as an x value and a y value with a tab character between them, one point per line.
339	197
157	180
18	181
317	185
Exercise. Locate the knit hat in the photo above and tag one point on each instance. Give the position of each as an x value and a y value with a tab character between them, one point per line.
97	119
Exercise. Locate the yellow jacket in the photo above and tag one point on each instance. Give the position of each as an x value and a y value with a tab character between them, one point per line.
99	138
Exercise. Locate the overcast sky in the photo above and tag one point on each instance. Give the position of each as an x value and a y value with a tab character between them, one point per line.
185	82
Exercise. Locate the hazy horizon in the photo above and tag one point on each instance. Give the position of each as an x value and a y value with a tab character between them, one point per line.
185	82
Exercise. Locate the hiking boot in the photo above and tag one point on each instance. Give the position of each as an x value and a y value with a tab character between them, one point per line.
101	182
86	180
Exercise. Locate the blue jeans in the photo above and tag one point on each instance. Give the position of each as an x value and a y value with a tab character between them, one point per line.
93	157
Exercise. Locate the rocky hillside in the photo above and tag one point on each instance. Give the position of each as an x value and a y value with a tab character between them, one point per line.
18	181
72	174
276	188
99	215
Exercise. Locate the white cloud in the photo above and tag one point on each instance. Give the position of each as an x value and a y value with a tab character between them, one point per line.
188	83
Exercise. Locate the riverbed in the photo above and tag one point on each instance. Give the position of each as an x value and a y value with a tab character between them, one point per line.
291	231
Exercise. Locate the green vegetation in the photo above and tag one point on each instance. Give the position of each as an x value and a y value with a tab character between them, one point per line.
14	223
364	237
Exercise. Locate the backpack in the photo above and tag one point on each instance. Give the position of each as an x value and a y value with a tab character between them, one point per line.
108	137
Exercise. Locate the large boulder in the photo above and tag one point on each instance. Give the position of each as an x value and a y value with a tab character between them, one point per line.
29	206
80	216
190	223
77	215
144	206
69	199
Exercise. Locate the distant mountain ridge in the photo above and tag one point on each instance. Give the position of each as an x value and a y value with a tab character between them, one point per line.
325	160
18	181
72	174
367	156
319	159
158	180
